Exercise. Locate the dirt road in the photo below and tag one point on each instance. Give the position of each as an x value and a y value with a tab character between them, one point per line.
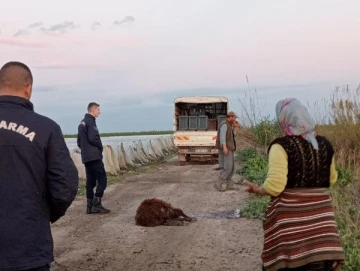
114	242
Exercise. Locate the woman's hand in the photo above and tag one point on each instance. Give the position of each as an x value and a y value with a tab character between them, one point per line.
250	186
254	188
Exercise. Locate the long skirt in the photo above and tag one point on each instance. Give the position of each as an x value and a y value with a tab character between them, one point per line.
300	232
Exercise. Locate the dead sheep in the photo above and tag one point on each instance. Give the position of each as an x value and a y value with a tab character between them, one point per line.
155	212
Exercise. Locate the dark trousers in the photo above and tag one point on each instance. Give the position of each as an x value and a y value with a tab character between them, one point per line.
42	268
95	176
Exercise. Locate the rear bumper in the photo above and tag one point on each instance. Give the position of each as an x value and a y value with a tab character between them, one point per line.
208	150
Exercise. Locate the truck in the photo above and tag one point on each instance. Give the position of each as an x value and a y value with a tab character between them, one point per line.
196	120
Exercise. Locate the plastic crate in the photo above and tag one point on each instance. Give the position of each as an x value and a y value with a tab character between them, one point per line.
193	122
183	123
220	118
202	122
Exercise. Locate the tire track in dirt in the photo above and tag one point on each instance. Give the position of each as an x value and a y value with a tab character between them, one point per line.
114	242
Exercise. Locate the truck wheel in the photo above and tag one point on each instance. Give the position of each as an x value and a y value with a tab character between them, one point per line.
182	159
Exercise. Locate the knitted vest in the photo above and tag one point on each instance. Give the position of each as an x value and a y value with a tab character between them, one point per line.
306	166
230	137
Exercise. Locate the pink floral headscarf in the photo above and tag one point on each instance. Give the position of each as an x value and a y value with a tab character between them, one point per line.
294	119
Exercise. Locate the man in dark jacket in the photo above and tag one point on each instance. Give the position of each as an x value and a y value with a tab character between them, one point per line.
89	142
38	179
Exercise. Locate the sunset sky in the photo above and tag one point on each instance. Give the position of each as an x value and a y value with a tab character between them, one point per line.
134	57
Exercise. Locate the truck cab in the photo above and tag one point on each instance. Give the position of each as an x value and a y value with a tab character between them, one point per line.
196	120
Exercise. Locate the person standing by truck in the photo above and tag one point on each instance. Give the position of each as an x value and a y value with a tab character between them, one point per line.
226	145
236	128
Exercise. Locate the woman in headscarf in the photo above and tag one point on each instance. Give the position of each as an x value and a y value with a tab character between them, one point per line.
300	230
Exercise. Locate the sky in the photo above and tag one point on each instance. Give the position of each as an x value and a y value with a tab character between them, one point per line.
135	57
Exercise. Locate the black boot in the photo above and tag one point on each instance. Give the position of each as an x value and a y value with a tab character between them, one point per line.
89	206
97	207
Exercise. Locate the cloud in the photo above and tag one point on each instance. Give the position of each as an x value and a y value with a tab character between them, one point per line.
22	42
127	19
95	26
55	30
35	25
26	31
22	32
60	28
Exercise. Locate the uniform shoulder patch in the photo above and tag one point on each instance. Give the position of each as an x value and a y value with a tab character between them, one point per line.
83	123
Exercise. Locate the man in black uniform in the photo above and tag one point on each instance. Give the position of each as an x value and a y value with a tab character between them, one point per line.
89	142
38	179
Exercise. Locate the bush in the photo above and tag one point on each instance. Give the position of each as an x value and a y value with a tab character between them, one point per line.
346	204
256	207
266	131
345	176
247	153
255	170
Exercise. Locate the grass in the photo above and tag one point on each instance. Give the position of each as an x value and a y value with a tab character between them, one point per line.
254	166
338	118
167	132
254	169
346	202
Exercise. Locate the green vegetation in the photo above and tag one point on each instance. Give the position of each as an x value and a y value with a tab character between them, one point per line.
341	125
128	134
343	130
266	131
255	166
254	169
345	196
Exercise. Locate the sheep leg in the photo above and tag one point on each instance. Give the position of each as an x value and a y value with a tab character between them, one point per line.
179	213
175	222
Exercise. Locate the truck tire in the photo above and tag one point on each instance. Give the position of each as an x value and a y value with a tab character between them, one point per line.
182	159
